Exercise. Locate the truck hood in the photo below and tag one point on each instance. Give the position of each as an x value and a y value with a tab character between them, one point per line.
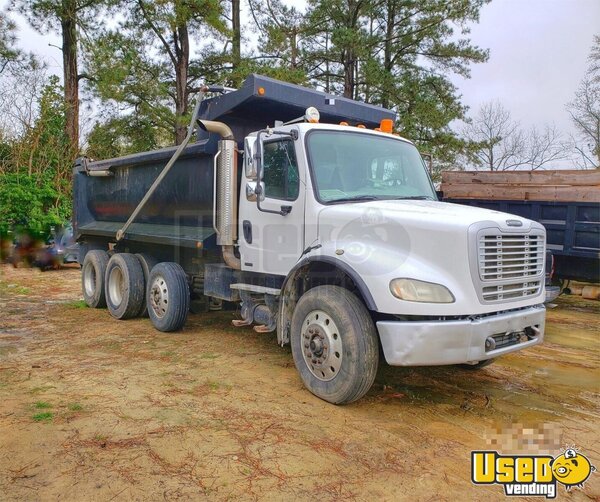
425	213
428	241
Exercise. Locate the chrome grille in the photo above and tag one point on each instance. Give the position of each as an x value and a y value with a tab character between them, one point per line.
510	266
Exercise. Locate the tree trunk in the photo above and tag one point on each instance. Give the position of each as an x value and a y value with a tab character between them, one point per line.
182	56
327	85
236	52
70	75
387	51
349	71
294	48
350	58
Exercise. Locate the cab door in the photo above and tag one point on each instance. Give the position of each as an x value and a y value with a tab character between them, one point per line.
271	237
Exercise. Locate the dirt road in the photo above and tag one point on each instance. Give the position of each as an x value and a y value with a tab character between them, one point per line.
97	409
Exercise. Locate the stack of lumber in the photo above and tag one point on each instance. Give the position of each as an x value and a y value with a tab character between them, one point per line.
588	291
562	186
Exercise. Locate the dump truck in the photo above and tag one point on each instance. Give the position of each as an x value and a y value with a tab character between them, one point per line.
308	213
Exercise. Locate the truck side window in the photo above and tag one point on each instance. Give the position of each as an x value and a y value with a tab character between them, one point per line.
280	170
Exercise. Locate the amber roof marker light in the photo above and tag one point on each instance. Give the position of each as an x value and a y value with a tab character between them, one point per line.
261	91
387	125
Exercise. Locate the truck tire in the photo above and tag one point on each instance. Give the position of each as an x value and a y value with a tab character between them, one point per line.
147	262
93	271
479	365
168	297
124	286
334	344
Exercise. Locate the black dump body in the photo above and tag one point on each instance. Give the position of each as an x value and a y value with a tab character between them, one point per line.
180	213
572	229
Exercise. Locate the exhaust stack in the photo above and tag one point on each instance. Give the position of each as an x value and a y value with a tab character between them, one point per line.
225	203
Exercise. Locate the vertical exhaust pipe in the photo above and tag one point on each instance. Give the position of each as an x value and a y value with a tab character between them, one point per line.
226	192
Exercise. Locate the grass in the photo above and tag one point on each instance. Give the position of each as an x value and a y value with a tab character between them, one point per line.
111	345
75	407
40	389
15	288
214	386
77	304
42	405
4	351
20	290
43	417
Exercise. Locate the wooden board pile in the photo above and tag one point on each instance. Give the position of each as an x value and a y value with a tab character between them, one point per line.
587	291
560	186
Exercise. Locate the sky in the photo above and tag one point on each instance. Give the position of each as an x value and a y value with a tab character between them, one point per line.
538	56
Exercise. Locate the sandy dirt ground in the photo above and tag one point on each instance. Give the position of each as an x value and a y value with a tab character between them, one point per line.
97	409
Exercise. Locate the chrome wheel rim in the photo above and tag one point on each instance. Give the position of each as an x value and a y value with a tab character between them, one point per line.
116	286
321	345
159	296
89	280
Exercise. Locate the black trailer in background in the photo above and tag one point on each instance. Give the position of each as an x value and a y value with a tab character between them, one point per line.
573	232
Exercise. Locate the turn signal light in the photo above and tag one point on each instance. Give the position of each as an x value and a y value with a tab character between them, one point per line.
386	125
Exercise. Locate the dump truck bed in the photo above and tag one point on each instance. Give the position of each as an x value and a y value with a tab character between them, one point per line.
180	212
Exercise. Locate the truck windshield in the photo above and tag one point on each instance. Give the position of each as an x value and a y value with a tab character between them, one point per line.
350	166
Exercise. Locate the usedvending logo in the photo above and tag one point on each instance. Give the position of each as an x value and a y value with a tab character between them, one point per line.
531	475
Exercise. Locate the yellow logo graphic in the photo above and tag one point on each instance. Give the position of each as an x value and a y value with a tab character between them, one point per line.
533	475
572	468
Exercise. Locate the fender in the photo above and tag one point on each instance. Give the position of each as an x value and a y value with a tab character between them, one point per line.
282	320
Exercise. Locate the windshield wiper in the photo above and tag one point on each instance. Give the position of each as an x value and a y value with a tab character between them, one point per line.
356	198
415	197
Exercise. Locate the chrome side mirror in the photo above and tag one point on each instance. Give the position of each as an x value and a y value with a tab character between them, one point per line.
249	160
251	194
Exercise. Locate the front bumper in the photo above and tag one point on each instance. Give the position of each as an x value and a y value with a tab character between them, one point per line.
431	343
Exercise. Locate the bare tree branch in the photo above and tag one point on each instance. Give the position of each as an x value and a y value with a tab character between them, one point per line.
498	143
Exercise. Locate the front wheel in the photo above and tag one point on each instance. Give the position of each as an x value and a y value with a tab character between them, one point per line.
334	344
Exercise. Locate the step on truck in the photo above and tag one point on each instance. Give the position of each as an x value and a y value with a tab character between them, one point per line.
307	212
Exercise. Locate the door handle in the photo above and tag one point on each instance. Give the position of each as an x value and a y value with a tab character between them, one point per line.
247	227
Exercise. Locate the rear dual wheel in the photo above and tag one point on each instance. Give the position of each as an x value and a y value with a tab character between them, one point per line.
135	285
147	262
124	286
93	271
168	297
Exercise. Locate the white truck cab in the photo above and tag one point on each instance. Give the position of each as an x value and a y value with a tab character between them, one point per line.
448	284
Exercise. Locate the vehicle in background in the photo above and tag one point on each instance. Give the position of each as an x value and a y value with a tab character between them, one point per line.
307	211
51	253
553	290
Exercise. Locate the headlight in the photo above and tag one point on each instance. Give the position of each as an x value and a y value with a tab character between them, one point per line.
420	291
